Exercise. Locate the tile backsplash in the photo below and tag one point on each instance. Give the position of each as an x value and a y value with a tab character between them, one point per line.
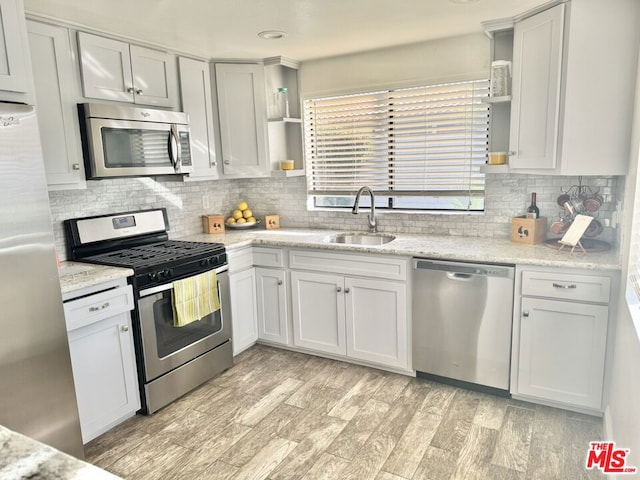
507	195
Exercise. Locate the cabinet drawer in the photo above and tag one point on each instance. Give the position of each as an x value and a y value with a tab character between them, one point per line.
240	259
87	310
366	266
567	287
268	257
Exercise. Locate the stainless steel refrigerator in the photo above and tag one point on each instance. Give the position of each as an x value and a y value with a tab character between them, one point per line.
37	396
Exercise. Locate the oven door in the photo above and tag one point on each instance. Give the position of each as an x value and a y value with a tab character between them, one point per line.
166	347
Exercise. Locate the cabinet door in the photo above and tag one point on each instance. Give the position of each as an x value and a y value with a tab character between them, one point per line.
104	373
242	112
376	321
273	320
154	77
318	312
537	59
562	351
195	91
106	68
13	71
242	288
55	96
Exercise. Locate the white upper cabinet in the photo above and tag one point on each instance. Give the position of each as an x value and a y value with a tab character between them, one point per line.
56	92
195	92
537	46
115	70
14	66
573	75
243	119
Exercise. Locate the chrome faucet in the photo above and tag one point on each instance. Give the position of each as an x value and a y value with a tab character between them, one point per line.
371	218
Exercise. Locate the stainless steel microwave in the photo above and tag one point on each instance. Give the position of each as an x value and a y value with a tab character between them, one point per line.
119	141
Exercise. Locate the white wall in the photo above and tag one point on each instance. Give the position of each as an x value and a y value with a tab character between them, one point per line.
456	58
622	399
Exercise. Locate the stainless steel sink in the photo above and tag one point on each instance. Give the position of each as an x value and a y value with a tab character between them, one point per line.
361	238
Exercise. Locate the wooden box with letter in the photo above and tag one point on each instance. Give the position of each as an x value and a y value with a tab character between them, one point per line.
528	230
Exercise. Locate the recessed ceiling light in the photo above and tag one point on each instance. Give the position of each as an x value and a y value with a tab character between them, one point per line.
273	34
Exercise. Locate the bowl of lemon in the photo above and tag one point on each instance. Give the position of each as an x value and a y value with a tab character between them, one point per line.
241	217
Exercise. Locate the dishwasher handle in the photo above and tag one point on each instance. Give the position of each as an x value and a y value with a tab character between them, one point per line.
459	276
463	270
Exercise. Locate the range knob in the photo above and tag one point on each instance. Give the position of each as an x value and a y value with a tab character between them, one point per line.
205	262
153	276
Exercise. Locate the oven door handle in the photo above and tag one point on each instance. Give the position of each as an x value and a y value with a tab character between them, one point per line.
154	290
169	286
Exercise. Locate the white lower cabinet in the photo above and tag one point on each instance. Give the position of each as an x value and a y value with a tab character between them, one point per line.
562	351
273	319
318	312
242	291
361	318
242	287
560	338
103	359
376	313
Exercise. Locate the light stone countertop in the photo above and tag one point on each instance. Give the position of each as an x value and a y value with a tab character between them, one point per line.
76	275
486	250
25	458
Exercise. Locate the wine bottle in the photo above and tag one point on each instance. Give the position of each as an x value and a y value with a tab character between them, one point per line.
533	211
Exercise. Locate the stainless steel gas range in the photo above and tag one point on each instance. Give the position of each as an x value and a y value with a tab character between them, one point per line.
171	360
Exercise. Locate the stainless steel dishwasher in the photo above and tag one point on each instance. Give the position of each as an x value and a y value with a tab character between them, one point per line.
462	316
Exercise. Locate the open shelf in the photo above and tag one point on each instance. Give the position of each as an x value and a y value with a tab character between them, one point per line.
494	168
284	120
288	173
491	100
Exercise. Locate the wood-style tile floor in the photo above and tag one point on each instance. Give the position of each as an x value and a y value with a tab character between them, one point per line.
280	415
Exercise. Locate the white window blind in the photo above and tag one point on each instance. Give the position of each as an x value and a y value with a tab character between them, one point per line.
417	142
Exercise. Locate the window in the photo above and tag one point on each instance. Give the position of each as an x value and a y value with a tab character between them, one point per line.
417	148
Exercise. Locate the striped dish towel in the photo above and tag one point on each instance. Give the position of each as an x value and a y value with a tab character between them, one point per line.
194	298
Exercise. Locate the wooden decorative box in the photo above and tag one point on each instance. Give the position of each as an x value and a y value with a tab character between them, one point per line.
272	222
213	223
528	230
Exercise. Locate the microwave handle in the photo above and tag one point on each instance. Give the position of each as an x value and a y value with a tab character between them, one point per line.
175	150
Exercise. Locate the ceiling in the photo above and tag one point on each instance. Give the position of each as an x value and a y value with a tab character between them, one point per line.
316	28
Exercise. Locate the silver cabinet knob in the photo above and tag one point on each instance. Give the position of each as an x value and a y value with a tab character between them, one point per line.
138	91
339	289
346	290
124	328
227	162
279	282
130	90
75	166
525	313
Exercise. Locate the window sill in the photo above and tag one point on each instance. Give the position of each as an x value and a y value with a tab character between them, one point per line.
365	209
